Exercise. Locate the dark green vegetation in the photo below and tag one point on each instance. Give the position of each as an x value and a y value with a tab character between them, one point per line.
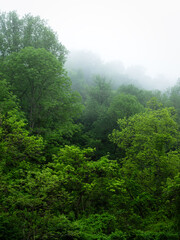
103	163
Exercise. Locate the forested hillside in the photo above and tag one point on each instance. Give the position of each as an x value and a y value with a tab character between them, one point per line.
83	156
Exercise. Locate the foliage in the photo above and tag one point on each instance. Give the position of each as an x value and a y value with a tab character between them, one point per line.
172	193
54	184
148	142
123	106
142	95
40	82
16	145
17	33
8	101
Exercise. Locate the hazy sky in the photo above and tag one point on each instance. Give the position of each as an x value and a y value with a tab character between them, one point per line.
137	32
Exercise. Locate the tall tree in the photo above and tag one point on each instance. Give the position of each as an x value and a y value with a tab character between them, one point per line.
98	100
148	144
149	141
40	82
94	115
17	33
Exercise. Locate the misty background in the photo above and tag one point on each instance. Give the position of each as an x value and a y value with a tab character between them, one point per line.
90	64
120	39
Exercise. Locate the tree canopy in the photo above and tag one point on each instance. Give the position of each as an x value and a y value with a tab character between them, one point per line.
41	84
17	33
101	167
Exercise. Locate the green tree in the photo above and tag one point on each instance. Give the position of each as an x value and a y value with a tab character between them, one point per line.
142	95
97	102
123	105
92	186
40	82
16	145
148	144
157	127
154	104
78	83
17	33
44	201
93	118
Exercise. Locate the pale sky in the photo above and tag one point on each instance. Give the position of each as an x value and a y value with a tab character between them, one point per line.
136	32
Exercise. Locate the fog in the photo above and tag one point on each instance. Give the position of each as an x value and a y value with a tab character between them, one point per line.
137	38
90	65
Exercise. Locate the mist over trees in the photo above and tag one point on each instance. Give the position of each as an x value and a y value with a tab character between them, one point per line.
90	64
86	153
